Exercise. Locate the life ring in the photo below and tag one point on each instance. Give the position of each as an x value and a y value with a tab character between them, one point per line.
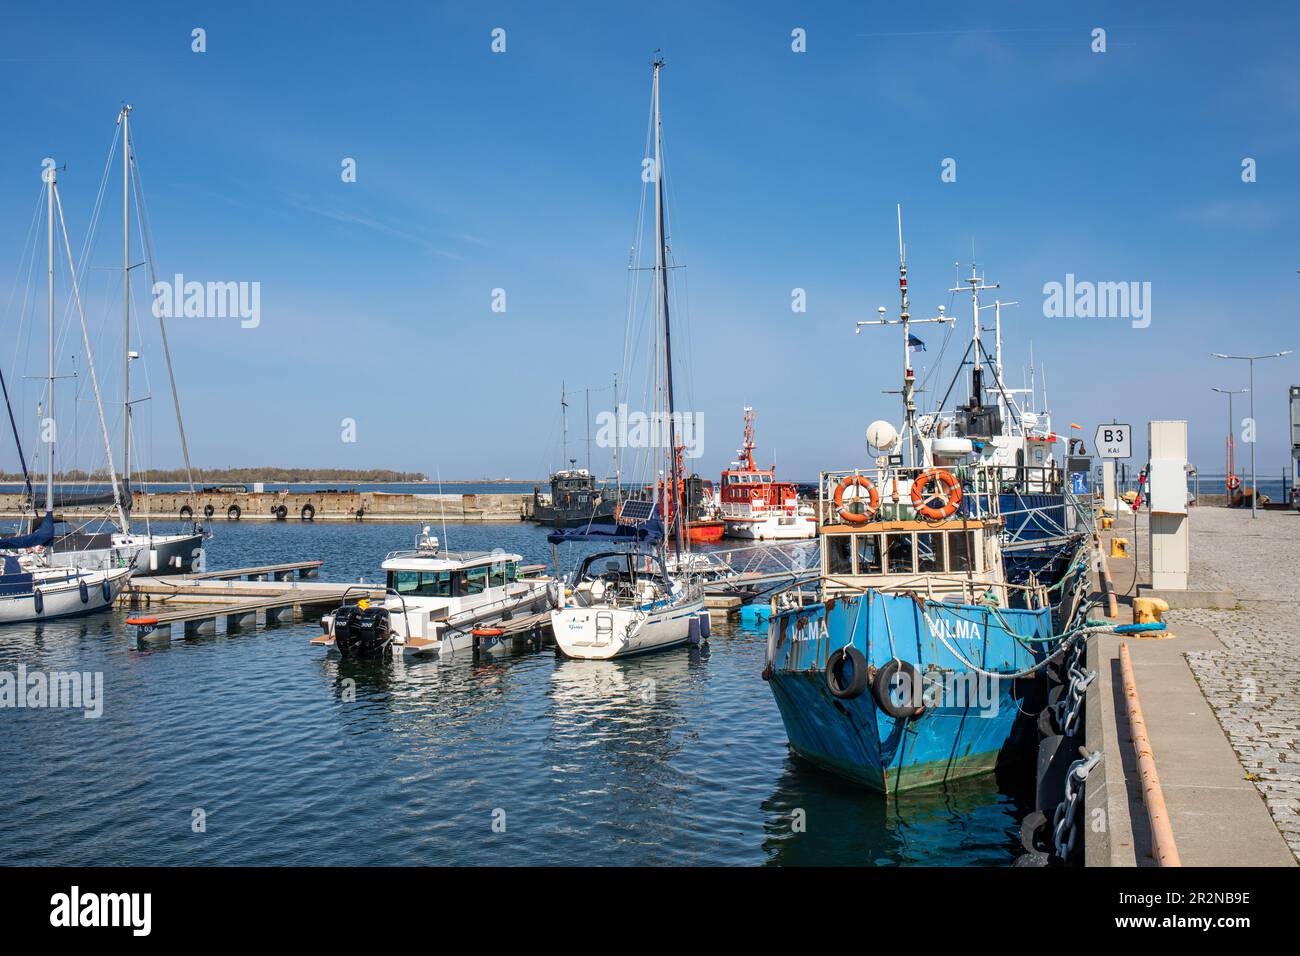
187	513
835	676
873	500
233	513
951	498
893	673
1233	482
308	512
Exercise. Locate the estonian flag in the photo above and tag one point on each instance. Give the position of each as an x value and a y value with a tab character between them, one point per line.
914	344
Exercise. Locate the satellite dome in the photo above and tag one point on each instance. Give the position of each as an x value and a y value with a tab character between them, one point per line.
882	435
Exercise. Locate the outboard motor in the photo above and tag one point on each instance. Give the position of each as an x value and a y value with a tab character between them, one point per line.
362	632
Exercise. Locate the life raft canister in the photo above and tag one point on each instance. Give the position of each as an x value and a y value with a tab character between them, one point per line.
845	510
947	490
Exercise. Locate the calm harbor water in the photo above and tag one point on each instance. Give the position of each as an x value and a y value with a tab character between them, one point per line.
674	758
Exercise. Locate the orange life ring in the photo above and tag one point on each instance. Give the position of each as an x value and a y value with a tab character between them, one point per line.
873	502
1233	482
951	498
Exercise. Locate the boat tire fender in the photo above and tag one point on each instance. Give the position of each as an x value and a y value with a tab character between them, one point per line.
309	512
883	685
857	680
187	513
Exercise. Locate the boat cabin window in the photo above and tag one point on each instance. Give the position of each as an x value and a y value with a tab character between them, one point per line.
868	553
501	573
421	583
475	580
929	552
898	553
959	551
839	554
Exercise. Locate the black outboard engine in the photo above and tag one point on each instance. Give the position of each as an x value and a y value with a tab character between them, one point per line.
362	632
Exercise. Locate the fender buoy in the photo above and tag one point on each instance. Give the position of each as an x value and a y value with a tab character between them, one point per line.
845	510
209	511
947	490
83	591
38	601
106	589
187	513
850	685
308	512
233	513
894	673
1233	482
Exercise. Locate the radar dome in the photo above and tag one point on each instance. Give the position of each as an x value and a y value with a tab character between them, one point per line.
882	435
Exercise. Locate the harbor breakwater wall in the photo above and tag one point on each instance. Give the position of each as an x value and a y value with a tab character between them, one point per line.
308	505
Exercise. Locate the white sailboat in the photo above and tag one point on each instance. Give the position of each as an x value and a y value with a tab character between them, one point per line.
31	589
627	601
148	552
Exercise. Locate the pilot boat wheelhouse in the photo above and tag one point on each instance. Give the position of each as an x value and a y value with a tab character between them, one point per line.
436	600
754	504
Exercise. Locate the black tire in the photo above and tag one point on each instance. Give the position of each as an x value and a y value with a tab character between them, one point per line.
280	512
883	686
187	513
209	511
308	512
857	680
233	513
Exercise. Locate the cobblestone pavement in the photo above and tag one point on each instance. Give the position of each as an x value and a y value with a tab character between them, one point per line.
1253	684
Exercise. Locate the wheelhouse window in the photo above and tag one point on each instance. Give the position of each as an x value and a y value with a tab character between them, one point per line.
476	580
959	551
421	583
868	553
929	552
839	554
898	553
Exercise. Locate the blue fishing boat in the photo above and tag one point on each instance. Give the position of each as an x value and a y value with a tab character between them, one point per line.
918	659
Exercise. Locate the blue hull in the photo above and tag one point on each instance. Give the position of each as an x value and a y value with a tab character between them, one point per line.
965	729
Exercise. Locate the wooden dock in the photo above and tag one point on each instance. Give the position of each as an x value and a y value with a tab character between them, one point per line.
241	597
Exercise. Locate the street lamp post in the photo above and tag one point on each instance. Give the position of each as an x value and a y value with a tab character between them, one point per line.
1231	456
1252	359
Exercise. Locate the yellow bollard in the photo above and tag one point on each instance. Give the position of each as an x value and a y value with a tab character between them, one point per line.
1107	522
1149	610
1119	547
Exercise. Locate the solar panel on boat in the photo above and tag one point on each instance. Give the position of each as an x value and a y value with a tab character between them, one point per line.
635	511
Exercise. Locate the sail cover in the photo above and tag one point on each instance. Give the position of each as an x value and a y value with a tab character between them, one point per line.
649	530
80	499
39	536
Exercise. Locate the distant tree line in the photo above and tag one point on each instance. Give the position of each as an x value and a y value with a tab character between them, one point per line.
241	476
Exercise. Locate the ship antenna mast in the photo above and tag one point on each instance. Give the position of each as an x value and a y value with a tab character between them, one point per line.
905	320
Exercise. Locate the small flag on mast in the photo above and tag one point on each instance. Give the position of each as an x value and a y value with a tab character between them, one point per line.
914	344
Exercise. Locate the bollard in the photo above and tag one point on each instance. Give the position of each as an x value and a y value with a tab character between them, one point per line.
1148	610
1119	547
1107	522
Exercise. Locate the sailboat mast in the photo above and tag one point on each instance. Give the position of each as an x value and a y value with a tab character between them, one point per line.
48	426
126	295
662	256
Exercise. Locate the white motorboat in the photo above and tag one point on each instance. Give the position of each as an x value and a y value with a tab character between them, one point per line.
439	602
757	507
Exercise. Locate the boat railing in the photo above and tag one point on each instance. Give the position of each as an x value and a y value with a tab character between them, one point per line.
980	486
971	590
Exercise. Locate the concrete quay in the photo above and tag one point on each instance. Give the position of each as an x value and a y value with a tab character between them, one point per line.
1221	698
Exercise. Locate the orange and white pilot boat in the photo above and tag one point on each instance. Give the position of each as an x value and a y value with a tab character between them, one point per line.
754	505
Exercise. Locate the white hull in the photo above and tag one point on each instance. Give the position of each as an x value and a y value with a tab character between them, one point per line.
772	528
157	554
601	633
60	595
417	632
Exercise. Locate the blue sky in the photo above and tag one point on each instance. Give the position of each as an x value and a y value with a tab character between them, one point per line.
521	171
